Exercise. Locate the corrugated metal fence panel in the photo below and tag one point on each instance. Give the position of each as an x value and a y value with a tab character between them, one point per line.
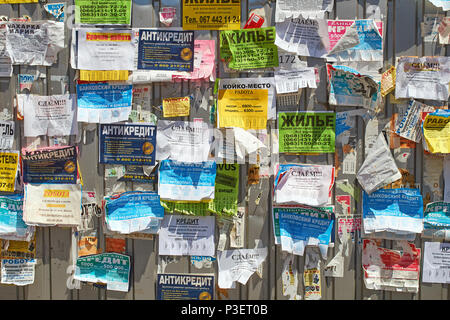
402	36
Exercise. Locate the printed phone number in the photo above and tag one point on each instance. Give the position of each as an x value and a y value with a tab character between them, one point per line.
213	19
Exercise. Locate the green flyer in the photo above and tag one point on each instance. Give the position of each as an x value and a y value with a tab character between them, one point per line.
225	196
307	132
103	12
250	48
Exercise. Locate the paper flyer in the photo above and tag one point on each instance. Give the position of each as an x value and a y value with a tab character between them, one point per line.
225	15
9	164
436	221
309	8
307	132
172	286
436	131
98	12
436	263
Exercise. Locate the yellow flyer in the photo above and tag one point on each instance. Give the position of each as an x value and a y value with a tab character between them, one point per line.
208	15
388	81
436	131
246	109
8	169
19	249
176	107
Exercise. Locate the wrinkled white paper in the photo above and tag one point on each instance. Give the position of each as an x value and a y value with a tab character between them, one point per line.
187	235
238	265
445	4
436	262
183	141
48	115
422	78
292	81
19	272
308	8
379	168
305	37
246	143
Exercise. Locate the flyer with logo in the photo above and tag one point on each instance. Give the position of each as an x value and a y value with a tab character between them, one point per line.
9	164
182	235
250	48
166	49
307	132
246	109
113	269
436	221
184	181
54	115
106	12
50	165
105	49
103	102
128	144
132	211
52	204
12	225
210	15
172	286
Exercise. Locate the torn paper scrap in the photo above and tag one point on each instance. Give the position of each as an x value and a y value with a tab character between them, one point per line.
409	126
444	31
246	143
347	87
422	78
292	81
388	81
238	265
307	8
289	278
204	62
304	37
379	168
391	270
311	275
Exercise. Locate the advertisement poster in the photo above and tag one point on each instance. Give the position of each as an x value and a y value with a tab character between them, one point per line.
254	83
313	182
226	190
309	8
113	269
393	270
300	227
7	130
251	48
436	262
133	211
348	222
18	249
370	37
307	132
165	49
176	107
183	141
52	204
422	78
436	131
393	210
19	272
128	144
58	165
349	88
103	102
436	221
54	115
238	265
12	225
222	15
246	109
409	126
110	49
138	174
182	235
185	287
9	163
103	12
186	181
204	62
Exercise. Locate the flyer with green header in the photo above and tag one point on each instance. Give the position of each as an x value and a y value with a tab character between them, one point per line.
225	196
307	132
249	48
107	12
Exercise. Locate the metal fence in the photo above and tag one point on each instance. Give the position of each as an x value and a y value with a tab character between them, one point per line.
402	37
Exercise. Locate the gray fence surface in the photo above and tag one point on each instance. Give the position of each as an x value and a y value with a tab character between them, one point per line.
402	37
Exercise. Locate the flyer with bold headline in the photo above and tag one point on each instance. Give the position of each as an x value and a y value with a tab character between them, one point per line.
107	12
211	15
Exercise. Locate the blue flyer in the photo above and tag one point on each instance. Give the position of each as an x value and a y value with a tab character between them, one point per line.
165	49
11	216
128	144
134	204
393	210
184	181
436	220
300	226
185	287
56	166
